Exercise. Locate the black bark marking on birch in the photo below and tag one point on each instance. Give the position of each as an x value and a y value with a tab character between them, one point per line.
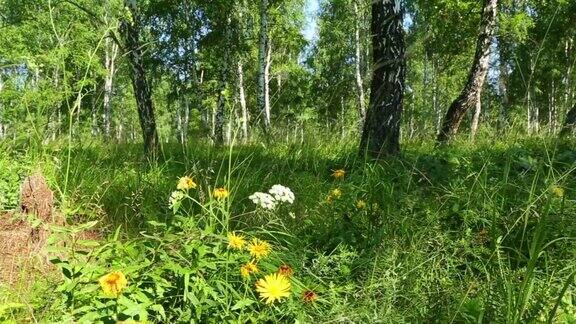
142	92
472	91
569	123
381	131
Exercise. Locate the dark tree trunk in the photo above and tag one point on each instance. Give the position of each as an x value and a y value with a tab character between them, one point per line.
131	33
503	82
381	132
470	95
570	123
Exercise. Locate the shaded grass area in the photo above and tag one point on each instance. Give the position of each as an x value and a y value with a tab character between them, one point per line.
466	233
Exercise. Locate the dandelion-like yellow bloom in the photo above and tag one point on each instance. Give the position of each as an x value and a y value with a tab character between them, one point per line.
360	204
336	193
558	191
309	296
285	270
273	287
338	174
113	283
244	271
236	241
186	183
220	193
259	248
248	268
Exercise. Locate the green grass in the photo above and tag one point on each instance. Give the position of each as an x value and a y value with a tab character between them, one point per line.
467	233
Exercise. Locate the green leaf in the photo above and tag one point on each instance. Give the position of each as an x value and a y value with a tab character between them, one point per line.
243	303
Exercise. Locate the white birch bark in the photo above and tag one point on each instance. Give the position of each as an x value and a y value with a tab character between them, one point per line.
264	65
242	100
359	82
111	52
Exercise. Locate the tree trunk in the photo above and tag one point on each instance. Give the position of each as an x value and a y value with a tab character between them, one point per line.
503	83
569	123
471	94
435	101
568	78
242	99
381	132
358	65
475	120
131	33
552	109
111	51
264	65
220	107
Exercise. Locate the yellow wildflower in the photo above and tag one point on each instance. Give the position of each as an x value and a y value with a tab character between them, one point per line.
220	193
236	241
273	287
558	191
336	193
248	268
360	204
186	183
244	271
259	248
113	283
338	174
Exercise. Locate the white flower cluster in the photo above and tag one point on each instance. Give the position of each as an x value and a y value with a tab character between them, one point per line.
264	200
175	199
281	193
277	194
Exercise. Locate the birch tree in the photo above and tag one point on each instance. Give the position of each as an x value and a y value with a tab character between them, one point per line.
264	65
471	94
131	27
381	132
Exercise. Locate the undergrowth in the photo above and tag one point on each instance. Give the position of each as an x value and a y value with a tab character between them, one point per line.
465	233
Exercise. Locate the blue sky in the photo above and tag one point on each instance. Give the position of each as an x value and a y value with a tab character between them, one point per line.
311	31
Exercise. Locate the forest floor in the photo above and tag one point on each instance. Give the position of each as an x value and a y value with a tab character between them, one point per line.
466	233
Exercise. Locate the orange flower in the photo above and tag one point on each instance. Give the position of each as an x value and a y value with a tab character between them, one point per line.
338	174
309	296
285	270
113	283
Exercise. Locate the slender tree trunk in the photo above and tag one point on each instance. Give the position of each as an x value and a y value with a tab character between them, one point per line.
503	83
412	121
552	109
242	99
220	107
569	123
568	78
381	132
435	101
264	65
358	65
206	112
471	94
131	33
111	51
